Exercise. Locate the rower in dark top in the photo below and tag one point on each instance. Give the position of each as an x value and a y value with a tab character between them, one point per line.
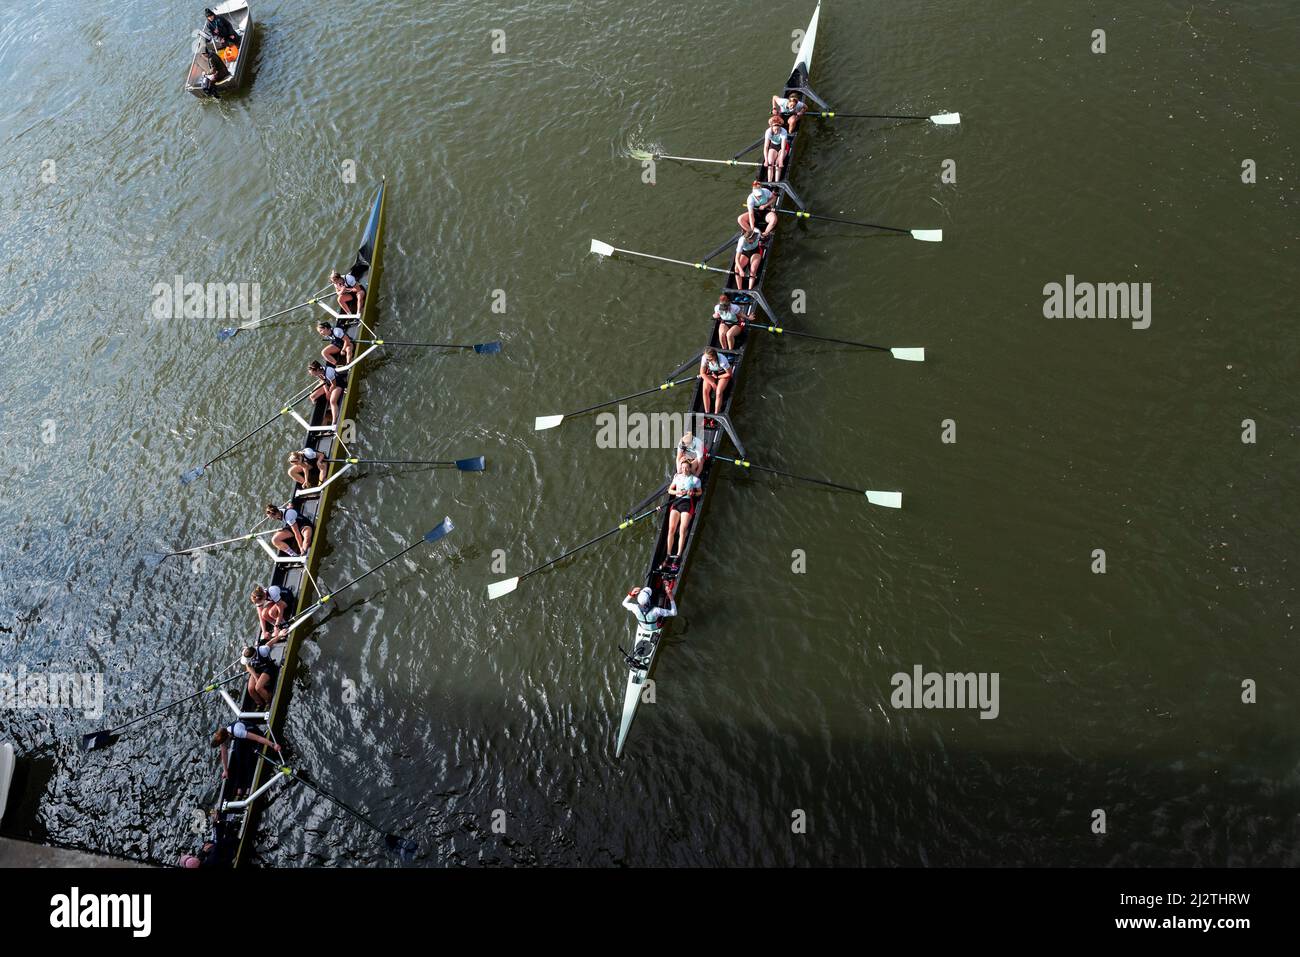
790	108
262	671
339	346
307	468
731	321
295	538
219	29
332	384
237	732
351	294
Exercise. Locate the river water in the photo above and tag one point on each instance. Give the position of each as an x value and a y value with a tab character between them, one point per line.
486	731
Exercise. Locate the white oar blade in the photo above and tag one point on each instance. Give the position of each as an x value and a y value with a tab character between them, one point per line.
601	249
544	422
928	235
503	587
946	119
885	499
908	355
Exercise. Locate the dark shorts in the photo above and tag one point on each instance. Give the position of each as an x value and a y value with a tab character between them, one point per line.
682	505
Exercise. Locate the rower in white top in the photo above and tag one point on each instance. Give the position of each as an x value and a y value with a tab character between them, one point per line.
776	147
647	618
758	214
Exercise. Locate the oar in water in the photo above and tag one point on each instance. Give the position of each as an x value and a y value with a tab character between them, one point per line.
476	464
938	119
507	585
883	499
751	147
434	534
157	558
605	249
642	156
225	334
924	235
99	740
543	422
195	472
405	847
907	354
482	348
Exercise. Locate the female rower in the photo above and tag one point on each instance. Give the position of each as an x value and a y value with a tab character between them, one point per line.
271	608
759	206
683	491
307	468
295	538
715	374
237	732
790	109
731	323
332	384
261	673
749	254
351	294
690	450
776	147
339	346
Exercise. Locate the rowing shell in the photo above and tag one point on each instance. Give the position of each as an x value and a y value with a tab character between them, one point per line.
712	436
298	577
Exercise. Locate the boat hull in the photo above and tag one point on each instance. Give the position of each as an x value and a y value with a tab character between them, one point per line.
241	18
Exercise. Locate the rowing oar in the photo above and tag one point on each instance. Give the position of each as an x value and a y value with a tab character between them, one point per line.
884	499
195	472
482	348
938	119
441	530
507	585
158	557
642	155
543	422
98	740
605	249
925	235
751	147
907	354
225	334
405	847
476	464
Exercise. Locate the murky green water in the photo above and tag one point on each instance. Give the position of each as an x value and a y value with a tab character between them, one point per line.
1119	691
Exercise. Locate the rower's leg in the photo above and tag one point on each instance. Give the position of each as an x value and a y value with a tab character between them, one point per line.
281	540
682	526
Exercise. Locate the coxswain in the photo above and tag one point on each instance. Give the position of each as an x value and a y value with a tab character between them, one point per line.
307	468
749	255
790	109
715	376
271	608
219	29
339	346
759	210
639	602
332	384
690	450
262	670
351	294
776	147
685	488
295	538
731	321
237	732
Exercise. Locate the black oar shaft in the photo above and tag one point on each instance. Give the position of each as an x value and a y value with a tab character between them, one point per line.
802	478
206	689
867	116
782	331
634	395
290	772
800	214
599	538
234	445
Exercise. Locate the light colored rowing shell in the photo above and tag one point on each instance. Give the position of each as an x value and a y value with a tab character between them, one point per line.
637	676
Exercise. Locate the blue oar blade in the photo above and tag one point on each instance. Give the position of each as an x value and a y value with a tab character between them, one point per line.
224	334
476	464
444	527
191	475
487	348
404	848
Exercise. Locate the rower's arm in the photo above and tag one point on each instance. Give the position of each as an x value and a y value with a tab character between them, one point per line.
671	610
630	605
